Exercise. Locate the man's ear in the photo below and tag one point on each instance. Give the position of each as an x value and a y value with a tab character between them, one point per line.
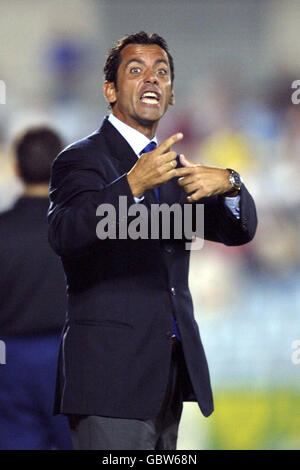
172	99
109	92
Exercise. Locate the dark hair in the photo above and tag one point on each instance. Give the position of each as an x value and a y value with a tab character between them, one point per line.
114	55
35	151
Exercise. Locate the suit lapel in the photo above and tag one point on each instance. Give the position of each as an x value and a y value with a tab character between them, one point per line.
118	146
121	150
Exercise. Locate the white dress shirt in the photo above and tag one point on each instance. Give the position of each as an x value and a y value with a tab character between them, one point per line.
138	142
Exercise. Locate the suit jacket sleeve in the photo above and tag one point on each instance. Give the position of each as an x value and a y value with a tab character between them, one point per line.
78	186
220	225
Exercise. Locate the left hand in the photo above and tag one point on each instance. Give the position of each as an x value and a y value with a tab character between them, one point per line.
200	181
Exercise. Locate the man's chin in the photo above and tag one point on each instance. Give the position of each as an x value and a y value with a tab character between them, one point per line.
149	117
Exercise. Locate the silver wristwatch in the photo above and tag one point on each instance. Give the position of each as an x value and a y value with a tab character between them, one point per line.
235	180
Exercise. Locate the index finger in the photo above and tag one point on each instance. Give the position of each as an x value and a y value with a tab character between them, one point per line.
167	144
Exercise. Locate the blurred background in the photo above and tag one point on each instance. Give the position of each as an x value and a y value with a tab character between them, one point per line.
235	62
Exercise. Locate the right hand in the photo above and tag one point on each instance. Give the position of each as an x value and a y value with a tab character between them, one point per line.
154	168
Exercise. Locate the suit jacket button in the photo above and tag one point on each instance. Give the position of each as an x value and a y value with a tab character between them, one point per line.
168	249
173	291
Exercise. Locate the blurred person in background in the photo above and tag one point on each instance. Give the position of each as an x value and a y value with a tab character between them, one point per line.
32	305
131	352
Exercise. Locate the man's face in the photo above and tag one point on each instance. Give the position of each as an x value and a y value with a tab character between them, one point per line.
144	89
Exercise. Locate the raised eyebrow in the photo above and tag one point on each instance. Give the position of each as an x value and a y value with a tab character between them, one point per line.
139	61
163	61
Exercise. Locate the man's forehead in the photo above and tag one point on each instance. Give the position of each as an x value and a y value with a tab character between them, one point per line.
143	50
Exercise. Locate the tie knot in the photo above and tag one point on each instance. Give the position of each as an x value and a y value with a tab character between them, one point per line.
151	146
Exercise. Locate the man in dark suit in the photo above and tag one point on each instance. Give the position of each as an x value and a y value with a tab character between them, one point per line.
32	305
131	351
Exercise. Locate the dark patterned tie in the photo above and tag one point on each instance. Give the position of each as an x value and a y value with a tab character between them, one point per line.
151	146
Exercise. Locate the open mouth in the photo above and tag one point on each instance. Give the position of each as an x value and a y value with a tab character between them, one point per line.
150	97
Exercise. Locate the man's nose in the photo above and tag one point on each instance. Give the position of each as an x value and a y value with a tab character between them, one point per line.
150	77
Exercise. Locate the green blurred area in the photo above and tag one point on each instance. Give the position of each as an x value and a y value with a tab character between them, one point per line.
245	420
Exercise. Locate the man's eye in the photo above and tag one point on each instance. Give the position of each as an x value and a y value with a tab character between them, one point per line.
162	71
135	70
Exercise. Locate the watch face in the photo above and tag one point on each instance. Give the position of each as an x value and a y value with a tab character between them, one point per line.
235	179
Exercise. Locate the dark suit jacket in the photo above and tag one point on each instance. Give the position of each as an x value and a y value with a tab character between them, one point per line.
116	346
32	284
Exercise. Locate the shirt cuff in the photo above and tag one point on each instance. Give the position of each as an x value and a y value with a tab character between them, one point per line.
233	203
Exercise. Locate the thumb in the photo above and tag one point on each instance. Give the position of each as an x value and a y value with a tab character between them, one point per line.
185	162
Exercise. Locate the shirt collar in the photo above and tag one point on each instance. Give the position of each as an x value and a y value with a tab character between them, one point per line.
135	139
